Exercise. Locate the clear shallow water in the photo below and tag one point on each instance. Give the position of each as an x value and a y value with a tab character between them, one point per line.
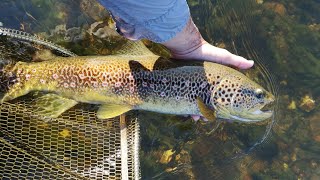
283	36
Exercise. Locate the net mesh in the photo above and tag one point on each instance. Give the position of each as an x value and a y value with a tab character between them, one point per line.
74	146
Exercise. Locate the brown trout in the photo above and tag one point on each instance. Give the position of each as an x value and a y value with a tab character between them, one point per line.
120	83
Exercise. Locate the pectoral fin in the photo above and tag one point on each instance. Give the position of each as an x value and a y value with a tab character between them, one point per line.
207	112
107	111
53	105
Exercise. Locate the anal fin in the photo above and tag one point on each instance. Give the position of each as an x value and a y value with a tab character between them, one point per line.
53	105
107	111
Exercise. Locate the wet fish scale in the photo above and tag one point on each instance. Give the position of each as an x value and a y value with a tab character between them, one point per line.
143	82
78	74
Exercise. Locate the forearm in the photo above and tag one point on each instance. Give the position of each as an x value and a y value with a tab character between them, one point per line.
156	20
186	41
168	22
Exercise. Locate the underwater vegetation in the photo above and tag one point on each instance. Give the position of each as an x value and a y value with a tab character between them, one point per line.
285	36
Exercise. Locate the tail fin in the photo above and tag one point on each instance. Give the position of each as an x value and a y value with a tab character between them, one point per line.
11	52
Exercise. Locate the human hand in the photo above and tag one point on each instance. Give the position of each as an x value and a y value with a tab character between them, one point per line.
189	44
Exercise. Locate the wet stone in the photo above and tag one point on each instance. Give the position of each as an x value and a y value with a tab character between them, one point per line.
314	27
166	156
276	7
307	103
259	1
315	126
292	105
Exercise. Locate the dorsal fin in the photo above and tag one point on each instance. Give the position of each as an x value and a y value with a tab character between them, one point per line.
137	66
134	48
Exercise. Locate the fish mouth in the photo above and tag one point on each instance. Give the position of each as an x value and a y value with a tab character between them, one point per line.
258	114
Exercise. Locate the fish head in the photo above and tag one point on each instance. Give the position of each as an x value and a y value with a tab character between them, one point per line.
237	98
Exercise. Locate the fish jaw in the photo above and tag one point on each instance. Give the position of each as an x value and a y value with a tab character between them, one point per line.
254	115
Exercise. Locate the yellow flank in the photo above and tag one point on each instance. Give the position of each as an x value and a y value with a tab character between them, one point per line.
120	83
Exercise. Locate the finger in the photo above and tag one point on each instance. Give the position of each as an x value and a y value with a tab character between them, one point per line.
223	56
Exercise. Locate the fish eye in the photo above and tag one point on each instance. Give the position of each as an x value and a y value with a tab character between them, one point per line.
259	93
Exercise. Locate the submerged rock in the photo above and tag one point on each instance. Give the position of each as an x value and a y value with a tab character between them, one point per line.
166	156
259	1
307	103
314	27
93	10
292	105
276	7
315	126
102	29
74	34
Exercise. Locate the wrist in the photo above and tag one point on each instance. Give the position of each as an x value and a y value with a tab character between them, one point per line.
186	41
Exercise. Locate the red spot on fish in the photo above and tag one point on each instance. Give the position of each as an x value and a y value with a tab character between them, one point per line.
131	78
104	84
131	90
34	70
72	84
28	76
42	81
117	84
66	85
55	76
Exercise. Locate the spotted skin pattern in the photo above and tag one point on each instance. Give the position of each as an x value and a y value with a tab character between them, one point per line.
143	82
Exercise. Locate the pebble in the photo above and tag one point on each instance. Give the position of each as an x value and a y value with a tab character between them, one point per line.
315	126
166	156
307	103
292	105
